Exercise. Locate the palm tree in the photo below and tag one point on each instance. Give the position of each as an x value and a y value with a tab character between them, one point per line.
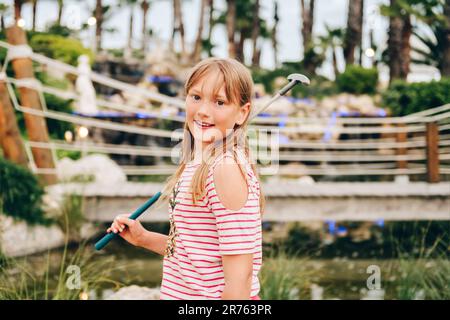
239	19
255	35
231	27
33	10
332	41
400	30
400	13
60	11
274	35
130	4
99	23
353	36
145	6
445	67
178	26
18	9
436	15
10	139
198	41
307	15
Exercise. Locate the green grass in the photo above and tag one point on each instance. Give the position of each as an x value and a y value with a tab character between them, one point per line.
424	271
285	278
21	280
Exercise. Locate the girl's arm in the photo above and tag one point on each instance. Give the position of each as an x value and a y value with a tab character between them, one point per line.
238	271
231	188
137	235
153	241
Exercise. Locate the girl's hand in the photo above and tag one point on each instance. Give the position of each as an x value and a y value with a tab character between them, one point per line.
131	230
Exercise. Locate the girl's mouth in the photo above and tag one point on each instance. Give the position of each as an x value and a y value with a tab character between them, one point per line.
203	125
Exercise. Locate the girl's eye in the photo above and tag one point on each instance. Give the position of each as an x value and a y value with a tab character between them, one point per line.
196	97
220	103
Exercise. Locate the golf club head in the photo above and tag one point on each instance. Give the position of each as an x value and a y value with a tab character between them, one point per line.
294	79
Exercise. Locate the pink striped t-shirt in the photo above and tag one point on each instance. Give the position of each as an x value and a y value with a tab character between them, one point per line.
206	232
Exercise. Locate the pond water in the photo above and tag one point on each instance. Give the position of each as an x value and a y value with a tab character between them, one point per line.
330	271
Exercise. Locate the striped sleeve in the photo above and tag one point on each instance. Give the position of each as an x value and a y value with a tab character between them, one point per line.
239	230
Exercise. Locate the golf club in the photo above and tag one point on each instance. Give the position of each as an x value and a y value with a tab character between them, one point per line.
294	79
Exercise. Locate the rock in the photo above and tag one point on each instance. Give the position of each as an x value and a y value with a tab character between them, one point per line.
102	168
316	292
308	180
18	239
135	293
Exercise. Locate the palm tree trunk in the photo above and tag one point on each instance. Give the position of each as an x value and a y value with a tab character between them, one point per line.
308	22
34	9
196	53
231	28
445	70
17	9
395	46
145	7
240	47
255	35
335	67
10	140
354	30
406	47
178	25
130	29
211	24
274	36
60	10
36	125
98	26
360	33
211	17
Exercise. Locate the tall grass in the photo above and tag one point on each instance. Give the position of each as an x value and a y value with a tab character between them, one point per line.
20	280
285	277
423	265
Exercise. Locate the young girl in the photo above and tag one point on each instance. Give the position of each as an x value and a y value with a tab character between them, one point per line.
213	250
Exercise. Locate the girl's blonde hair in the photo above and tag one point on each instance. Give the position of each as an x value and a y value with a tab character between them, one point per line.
239	90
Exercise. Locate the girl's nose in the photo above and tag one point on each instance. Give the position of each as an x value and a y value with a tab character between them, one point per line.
203	110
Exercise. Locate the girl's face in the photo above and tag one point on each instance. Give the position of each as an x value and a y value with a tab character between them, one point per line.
210	117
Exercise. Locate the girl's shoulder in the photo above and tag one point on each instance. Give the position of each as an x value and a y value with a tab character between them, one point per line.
236	156
228	165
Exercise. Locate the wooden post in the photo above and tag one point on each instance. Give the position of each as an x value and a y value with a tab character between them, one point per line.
402	137
10	139
36	125
432	138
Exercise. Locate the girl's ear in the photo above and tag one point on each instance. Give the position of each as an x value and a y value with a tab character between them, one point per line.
243	113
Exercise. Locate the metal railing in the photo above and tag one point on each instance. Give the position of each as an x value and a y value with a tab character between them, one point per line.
417	144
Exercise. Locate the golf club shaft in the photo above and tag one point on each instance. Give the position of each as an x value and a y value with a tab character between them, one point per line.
258	111
109	236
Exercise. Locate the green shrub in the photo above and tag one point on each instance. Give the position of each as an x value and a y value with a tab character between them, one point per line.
358	80
20	194
71	154
58	47
405	98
